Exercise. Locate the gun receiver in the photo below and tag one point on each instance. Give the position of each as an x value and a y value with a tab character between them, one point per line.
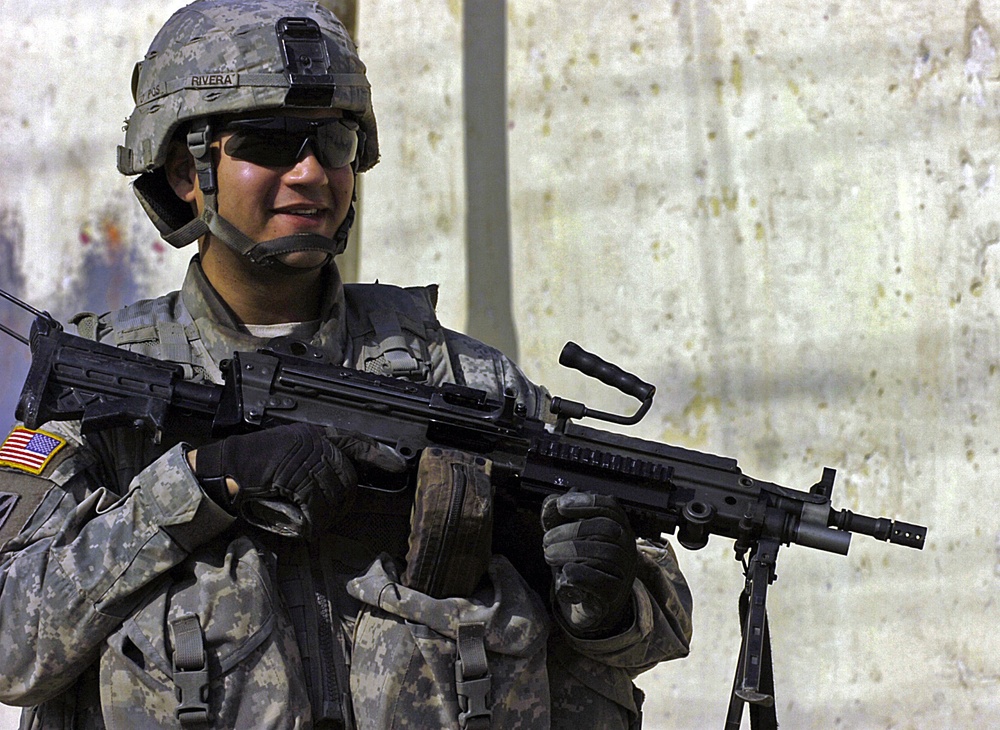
665	489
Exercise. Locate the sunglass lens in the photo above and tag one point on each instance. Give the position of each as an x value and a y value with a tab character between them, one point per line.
334	144
268	149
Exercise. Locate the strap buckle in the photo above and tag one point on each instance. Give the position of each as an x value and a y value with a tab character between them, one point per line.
473	699
473	692
199	142
190	664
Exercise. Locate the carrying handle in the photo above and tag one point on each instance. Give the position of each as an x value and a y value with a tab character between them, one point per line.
574	356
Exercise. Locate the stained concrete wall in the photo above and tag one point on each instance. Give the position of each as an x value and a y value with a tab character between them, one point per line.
783	214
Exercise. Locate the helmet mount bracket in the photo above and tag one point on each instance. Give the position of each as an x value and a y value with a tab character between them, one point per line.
307	63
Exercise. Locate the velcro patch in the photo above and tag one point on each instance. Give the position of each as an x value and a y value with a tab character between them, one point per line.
29	450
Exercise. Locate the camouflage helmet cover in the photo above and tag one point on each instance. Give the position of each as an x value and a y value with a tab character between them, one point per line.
224	56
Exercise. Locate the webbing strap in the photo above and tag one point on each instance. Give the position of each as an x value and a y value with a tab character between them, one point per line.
190	671
174	346
472	678
393	345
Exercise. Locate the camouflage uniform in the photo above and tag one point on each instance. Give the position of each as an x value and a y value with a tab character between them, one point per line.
124	545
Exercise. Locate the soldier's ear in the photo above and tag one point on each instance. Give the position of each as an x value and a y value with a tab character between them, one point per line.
180	171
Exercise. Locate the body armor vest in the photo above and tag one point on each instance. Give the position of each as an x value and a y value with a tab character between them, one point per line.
391	331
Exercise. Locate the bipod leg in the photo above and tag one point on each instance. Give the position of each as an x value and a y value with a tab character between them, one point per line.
754	680
735	716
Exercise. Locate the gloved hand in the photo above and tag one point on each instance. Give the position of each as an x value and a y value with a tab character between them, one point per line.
590	548
292	478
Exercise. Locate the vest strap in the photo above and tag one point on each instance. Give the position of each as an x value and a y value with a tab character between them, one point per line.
472	678
190	671
399	361
174	345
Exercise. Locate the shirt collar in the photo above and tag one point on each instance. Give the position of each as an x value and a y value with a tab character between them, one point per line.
222	333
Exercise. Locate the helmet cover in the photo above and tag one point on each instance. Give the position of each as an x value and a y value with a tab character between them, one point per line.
224	57
217	57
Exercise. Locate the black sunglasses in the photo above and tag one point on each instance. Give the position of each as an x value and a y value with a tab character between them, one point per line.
281	141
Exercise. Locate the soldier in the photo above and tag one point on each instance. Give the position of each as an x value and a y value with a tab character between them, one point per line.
238	583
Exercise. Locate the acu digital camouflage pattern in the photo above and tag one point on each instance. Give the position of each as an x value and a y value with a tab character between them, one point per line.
403	671
255	671
124	541
218	57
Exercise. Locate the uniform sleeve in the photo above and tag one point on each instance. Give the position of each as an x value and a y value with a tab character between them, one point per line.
592	678
661	629
480	366
84	559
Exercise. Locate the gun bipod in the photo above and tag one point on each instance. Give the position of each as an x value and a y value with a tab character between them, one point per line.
753	683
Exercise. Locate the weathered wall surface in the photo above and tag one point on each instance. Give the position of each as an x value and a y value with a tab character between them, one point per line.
783	214
72	236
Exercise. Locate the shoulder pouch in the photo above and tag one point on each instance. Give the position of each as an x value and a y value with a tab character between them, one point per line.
451	528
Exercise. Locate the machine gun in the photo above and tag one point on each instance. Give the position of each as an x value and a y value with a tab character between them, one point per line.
664	489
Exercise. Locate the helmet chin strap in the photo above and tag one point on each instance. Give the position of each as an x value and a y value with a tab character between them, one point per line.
262	253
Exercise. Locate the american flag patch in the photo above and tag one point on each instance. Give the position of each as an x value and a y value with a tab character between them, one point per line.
29	450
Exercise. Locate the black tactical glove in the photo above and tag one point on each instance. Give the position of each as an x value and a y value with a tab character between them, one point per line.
292	479
590	547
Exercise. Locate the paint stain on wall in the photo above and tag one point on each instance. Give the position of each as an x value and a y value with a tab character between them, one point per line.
109	267
104	280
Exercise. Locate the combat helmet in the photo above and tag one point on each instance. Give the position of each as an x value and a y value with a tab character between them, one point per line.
225	57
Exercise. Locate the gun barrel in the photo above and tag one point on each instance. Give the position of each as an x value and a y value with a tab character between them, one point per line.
882	528
23	305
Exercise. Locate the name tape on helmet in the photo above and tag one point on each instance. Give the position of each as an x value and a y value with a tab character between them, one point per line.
204	80
214	81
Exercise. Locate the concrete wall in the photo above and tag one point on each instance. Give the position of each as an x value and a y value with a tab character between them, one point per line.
783	214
